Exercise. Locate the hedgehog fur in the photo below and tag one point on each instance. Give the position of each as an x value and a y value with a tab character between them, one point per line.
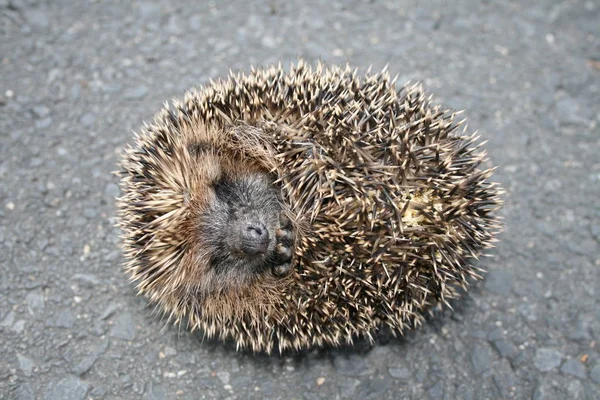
385	199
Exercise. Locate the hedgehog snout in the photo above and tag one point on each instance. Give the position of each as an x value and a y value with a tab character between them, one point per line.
254	239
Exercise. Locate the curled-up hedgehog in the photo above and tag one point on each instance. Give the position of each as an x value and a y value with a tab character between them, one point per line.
308	207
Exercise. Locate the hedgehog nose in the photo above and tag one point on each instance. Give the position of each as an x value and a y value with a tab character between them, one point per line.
255	239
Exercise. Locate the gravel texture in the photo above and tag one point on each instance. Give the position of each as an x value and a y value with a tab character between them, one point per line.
76	77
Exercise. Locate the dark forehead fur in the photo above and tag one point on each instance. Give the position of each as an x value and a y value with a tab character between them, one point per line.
251	190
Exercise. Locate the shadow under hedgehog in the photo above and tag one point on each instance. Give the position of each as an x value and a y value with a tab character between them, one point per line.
309	207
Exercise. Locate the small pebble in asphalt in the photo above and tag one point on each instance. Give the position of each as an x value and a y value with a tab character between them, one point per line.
123	327
547	359
573	367
67	388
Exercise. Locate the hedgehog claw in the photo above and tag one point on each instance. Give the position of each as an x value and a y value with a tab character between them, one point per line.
282	270
284	221
283	252
284	235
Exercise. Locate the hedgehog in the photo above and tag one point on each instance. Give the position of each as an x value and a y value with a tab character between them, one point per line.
285	209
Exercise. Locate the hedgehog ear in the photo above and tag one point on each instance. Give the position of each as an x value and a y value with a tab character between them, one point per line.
252	143
206	160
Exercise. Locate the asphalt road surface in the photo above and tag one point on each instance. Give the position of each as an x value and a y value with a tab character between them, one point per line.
76	77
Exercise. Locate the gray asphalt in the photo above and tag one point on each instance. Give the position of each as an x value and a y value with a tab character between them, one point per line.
76	77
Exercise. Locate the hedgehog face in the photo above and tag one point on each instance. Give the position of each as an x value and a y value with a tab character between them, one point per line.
242	228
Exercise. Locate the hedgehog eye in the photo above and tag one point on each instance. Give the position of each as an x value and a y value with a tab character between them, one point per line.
223	188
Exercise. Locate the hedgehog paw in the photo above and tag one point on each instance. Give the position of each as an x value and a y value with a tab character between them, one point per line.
283	249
